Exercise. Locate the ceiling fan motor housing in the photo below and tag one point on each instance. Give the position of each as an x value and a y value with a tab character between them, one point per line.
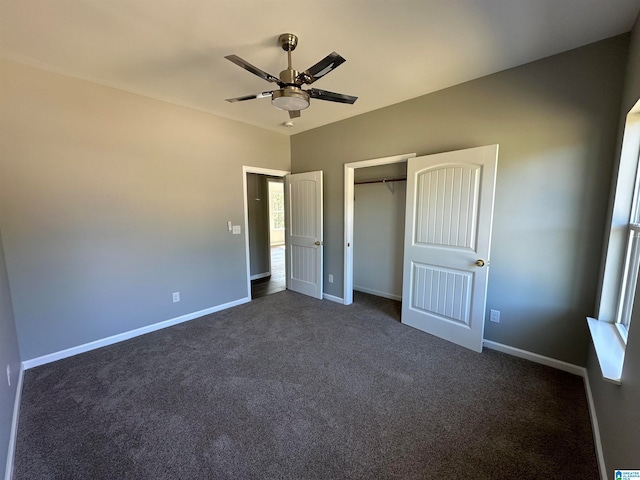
288	76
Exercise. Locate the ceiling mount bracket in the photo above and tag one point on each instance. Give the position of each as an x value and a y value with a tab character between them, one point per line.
288	42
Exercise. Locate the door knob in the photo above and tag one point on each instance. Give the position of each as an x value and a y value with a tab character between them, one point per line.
480	263
318	242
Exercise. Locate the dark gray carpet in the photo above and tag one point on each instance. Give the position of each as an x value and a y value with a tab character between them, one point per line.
288	387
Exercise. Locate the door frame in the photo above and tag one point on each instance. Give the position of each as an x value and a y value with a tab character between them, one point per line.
349	189
261	171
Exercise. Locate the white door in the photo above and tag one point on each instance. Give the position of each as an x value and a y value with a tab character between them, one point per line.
447	240
304	233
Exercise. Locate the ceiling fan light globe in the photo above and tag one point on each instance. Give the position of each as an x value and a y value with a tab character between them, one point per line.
290	99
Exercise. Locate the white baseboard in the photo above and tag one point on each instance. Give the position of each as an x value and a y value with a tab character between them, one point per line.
333	298
14	426
260	275
566	367
595	428
534	357
378	293
69	352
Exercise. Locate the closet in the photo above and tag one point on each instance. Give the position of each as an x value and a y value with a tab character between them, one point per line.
378	229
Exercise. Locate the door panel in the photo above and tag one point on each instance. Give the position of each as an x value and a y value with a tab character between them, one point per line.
442	292
447	229
304	233
446	208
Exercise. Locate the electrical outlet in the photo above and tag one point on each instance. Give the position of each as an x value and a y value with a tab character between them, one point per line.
236	230
176	297
9	374
495	316
330	278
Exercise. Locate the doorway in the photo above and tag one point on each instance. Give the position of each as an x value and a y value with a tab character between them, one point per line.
265	265
447	237
303	229
275	279
349	191
378	229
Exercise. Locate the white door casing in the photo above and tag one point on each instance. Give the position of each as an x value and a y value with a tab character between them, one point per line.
349	191
303	227
262	171
448	222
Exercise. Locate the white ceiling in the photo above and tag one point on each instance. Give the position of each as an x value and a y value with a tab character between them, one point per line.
173	50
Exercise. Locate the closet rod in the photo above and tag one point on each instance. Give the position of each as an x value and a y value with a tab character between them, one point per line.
384	180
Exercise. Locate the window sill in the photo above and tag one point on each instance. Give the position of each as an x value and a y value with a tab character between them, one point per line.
609	349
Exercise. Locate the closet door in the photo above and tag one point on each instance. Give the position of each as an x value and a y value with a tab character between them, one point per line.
448	220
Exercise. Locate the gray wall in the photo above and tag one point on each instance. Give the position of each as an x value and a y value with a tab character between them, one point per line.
556	122
617	406
112	201
258	217
9	355
378	238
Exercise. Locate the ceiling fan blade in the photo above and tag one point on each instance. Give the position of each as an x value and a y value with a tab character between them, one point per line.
250	97
255	70
331	96
294	113
320	69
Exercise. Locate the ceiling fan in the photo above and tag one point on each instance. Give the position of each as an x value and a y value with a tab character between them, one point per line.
290	96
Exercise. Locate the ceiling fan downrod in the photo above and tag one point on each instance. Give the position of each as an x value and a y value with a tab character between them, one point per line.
288	42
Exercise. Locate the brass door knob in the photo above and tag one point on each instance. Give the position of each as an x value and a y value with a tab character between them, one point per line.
480	263
318	242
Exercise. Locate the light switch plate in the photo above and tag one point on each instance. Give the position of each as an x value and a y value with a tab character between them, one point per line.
236	230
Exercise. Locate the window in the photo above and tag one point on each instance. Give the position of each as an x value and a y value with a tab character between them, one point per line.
276	197
620	279
629	279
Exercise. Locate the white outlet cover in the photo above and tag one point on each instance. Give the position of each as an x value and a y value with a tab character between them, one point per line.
236	230
176	297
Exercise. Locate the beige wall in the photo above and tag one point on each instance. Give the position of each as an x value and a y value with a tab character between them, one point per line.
111	201
555	121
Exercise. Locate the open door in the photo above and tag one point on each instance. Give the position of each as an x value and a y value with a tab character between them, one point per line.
304	241
448	222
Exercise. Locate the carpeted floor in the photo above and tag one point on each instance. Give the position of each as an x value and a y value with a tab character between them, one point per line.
289	387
